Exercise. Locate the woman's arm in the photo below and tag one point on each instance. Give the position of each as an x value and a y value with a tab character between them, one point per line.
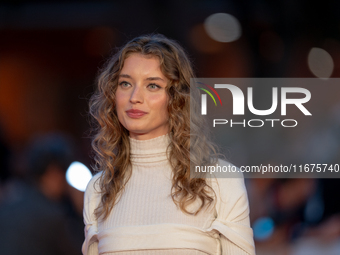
232	220
239	231
91	201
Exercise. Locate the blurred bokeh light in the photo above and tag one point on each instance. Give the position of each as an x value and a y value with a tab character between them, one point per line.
320	63
223	27
78	176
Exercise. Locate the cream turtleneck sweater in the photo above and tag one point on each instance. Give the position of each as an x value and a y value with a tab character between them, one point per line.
147	221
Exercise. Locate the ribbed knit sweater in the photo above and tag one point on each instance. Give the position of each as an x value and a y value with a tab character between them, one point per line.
147	221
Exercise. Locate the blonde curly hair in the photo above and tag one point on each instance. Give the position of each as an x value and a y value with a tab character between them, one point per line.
189	144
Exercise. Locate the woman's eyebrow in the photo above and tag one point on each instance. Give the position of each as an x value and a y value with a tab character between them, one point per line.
147	79
125	76
154	79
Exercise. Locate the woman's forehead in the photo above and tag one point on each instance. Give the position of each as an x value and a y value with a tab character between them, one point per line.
139	57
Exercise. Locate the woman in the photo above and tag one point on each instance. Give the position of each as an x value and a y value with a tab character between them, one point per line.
143	200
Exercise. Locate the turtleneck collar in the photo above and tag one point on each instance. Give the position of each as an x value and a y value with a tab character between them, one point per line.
147	151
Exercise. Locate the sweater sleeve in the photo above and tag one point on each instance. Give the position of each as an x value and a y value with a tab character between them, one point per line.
91	199
232	220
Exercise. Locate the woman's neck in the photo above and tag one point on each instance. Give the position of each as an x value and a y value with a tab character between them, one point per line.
150	150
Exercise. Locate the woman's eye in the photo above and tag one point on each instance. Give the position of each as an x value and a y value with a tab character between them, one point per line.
153	86
124	84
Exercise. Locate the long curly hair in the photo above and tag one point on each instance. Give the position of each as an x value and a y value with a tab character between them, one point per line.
189	143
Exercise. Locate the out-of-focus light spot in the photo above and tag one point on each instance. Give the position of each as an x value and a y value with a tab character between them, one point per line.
78	176
263	228
222	27
320	63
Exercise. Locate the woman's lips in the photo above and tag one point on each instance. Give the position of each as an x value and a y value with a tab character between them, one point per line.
135	114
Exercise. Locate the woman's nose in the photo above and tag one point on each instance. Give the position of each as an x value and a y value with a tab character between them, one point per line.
137	96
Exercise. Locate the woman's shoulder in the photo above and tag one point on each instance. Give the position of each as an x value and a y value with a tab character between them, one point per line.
232	198
227	178
93	190
226	170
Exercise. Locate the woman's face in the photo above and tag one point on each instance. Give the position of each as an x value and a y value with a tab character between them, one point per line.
141	98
